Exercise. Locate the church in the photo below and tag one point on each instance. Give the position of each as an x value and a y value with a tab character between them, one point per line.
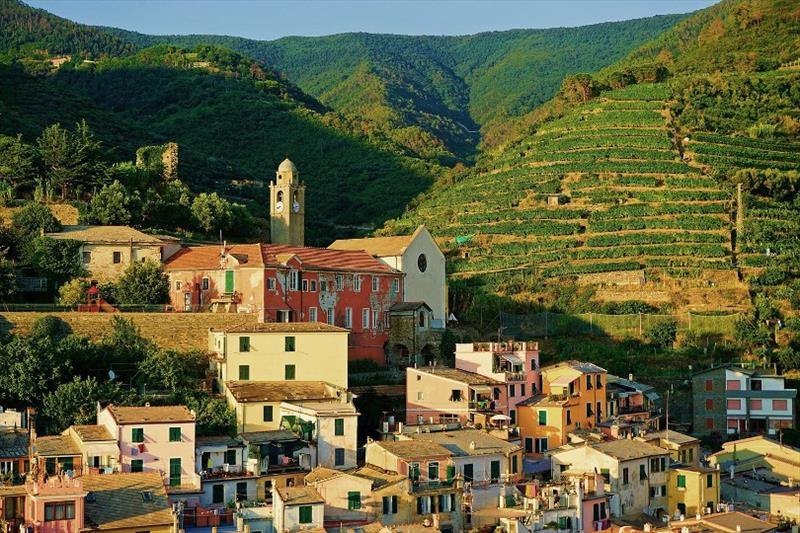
287	281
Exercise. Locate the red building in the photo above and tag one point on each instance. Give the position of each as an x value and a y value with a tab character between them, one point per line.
290	283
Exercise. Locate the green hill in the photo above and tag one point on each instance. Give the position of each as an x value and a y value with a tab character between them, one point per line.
432	94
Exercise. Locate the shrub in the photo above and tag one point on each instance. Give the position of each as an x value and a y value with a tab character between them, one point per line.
663	333
143	283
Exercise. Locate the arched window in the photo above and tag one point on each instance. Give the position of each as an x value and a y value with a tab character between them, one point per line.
280	196
294	196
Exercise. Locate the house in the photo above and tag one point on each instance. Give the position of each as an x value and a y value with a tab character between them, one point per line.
511	362
693	490
154	439
286	283
683	449
348	497
222	462
106	251
432	489
725	522
298	508
279	458
127	503
759	452
14	453
572	397
56	505
278	351
57	454
419	258
632	402
636	473
12	506
13	418
733	399
412	338
98	448
330	427
440	394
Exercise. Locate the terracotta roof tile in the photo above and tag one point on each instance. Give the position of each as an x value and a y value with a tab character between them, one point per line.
55	446
92	433
410	449
299	495
118	501
278	391
151	415
283	327
456	374
321	473
207	257
105	235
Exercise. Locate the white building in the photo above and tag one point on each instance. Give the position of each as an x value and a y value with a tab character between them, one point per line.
297	509
332	430
419	258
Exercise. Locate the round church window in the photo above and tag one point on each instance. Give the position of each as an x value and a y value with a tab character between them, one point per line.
422	262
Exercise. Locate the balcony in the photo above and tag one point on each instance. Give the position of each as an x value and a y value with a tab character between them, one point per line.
515	376
225	472
482	406
433	485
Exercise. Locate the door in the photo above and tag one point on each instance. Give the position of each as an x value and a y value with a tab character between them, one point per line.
187	301
468	472
228	281
175	472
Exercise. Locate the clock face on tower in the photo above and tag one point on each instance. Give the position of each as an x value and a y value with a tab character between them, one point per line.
296	207
278	206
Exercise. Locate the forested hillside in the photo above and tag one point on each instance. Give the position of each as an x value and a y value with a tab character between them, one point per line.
432	94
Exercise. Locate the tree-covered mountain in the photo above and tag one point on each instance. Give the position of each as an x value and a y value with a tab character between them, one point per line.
432	94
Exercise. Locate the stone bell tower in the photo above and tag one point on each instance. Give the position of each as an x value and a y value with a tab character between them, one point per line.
287	206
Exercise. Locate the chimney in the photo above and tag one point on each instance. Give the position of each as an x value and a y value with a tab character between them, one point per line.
738	528
630	377
472	445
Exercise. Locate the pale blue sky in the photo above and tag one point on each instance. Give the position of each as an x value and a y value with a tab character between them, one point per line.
270	19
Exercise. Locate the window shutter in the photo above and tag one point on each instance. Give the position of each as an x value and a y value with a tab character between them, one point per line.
394	504
386	504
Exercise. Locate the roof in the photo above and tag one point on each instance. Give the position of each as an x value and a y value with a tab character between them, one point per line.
460	442
219	440
207	257
627	449
670	435
321	474
738	367
325	407
545	400
299	495
580	366
378	246
278	391
13	443
105	235
153	414
411	449
456	374
283	327
92	433
56	446
408	306
729	522
118	501
275	435
287	166
378	476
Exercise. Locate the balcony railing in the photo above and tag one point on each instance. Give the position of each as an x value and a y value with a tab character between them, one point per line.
424	486
228	471
515	376
484	406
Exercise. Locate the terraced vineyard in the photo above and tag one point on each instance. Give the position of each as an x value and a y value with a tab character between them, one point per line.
626	199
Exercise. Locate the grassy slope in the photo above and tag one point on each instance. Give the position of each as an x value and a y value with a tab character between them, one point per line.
445	86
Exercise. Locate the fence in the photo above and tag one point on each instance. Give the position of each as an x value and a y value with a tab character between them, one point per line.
546	324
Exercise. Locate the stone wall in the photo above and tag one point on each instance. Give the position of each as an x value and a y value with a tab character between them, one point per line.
178	331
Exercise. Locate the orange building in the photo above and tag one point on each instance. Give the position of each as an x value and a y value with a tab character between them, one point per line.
573	397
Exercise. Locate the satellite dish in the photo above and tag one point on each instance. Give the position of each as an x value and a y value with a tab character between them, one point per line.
111	375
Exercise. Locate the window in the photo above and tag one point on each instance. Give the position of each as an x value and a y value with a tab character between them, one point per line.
305	514
541	445
496	393
569	417
514	464
681	481
339	282
117	257
423	505
455	395
289	372
329	316
755	404
606	473
288	344
376	318
589	409
542	418
241	491
420	395
267	413
642	472
736	404
413	471
494	471
323	285
469	472
533	364
312	314
755	384
338	426
709	404
356	283
589	382
294	280
175	434
375	283
313	285
178	285
305	285
599	411
218	493
137	435
230	457
395	285
528	445
512	414
599	511
348	318
137	465
353	500
390	505
338	459
433	470
365	313
244	372
733	384
599	381
447	502
271	284
205	284
522	389
625	479
780	405
86	257
175	472
709	480
244	344
709	385
512	390
59	511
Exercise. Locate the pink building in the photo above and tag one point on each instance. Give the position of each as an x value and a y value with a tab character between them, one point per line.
513	363
55	505
155	439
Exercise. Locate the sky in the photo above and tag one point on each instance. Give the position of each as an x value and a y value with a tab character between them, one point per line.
271	19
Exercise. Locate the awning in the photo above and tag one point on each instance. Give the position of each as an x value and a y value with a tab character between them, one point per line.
481	388
512	358
562	381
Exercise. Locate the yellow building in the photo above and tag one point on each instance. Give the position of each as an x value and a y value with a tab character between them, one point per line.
683	449
127	503
573	397
692	490
281	351
106	251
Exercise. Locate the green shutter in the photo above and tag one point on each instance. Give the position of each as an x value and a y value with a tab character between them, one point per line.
305	514
244	372
353	500
244	344
267	413
288	344
709	480
386	504
338	426
542	418
681	481
174	471
137	435
514	464
137	465
229	281
174	434
451	472
289	372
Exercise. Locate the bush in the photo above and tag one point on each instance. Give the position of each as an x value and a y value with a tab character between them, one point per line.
32	219
663	333
143	283
73	293
112	205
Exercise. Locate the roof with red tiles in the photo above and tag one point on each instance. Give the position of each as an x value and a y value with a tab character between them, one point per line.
277	255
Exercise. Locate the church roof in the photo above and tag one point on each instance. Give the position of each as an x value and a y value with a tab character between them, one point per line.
287	166
378	246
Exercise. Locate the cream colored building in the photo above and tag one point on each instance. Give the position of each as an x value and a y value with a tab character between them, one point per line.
419	258
334	428
636	473
683	449
298	508
347	495
106	251
99	448
281	351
